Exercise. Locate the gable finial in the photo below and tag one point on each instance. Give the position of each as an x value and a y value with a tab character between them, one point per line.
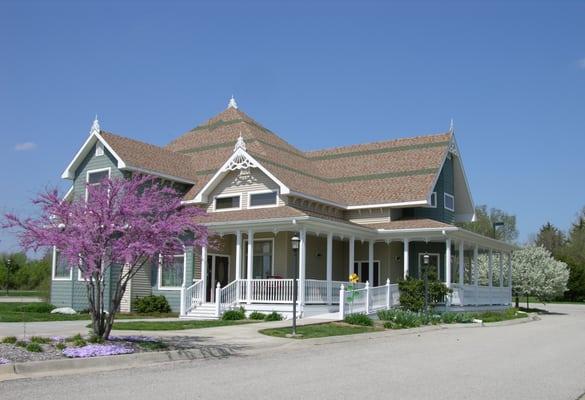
95	127
451	126
232	103
240	144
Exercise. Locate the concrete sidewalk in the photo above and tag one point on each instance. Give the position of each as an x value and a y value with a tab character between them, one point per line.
20	299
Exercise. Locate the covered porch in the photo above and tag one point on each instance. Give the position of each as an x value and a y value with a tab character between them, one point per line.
252	265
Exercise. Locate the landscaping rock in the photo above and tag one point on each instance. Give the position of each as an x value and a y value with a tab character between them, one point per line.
64	310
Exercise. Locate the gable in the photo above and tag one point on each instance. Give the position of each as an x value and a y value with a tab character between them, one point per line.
90	163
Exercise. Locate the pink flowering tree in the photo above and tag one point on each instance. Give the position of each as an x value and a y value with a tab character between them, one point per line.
124	223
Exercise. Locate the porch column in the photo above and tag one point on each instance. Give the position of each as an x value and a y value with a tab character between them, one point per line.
250	266
238	263
510	269
501	269
204	273
302	264
405	258
329	266
351	255
448	262
475	269
371	262
461	262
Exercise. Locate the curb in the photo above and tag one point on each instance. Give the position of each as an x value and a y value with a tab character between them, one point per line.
107	363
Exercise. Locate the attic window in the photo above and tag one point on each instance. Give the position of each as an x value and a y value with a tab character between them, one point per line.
262	199
434	200
449	202
99	150
227	203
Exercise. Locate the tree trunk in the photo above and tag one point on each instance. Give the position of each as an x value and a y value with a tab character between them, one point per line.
527	303
517	301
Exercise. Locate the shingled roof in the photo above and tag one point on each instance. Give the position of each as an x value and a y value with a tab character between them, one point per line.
389	172
394	171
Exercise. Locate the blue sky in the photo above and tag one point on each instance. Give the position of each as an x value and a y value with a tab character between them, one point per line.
320	74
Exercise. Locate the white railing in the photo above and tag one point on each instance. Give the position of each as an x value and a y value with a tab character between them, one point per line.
228	296
271	290
191	297
471	295
316	291
367	299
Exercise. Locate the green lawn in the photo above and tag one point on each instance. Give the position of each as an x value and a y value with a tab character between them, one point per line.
320	330
175	325
497	316
40	312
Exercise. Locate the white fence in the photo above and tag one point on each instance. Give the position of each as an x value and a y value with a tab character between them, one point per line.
318	292
271	290
368	299
471	295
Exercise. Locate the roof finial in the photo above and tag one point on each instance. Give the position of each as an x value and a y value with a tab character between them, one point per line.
240	144
232	103
451	126
95	127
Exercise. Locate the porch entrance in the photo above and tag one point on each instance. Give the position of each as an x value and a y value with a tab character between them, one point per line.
362	268
217	271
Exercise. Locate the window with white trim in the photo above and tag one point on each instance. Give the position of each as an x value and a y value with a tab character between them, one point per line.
227	203
61	270
171	275
95	178
434	200
449	202
263	199
99	149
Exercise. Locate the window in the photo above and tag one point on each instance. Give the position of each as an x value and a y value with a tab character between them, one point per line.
262	199
262	258
449	202
434	200
95	177
61	270
225	203
171	276
99	150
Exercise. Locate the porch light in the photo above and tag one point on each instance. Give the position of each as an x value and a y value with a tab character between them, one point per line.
295	242
426	259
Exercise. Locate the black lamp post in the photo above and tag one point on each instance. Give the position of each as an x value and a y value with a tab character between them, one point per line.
8	267
426	261
295	248
494	226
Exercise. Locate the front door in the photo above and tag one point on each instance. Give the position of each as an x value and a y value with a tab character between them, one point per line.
217	271
362	268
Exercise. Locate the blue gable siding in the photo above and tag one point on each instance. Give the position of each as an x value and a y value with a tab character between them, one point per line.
173	296
445	184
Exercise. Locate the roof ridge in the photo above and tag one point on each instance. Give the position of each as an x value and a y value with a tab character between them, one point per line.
308	153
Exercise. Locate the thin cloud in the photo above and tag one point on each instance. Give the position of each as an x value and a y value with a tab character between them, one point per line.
26	146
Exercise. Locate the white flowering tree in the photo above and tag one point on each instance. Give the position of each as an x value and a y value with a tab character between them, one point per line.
536	273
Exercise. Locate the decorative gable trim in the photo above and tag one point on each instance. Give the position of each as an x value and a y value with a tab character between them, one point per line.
239	160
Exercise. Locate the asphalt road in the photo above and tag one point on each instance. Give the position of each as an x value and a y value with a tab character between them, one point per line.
537	360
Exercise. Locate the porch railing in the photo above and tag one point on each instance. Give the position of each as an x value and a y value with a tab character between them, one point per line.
270	290
191	297
368	299
316	291
471	295
228	296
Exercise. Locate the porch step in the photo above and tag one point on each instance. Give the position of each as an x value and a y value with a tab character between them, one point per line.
202	311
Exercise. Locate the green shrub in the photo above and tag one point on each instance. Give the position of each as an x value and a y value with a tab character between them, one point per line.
21	343
77	340
95	339
358	319
457	317
412	292
9	340
34	347
399	319
60	346
40	340
257	315
152	304
273	316
234	315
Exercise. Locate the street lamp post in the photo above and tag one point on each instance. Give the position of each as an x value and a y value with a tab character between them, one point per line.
8	266
426	260
494	226
295	248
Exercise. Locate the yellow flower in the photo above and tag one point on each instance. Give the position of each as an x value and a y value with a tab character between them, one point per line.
354	278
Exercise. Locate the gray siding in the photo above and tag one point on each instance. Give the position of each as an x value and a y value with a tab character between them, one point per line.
61	293
445	184
140	285
172	296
